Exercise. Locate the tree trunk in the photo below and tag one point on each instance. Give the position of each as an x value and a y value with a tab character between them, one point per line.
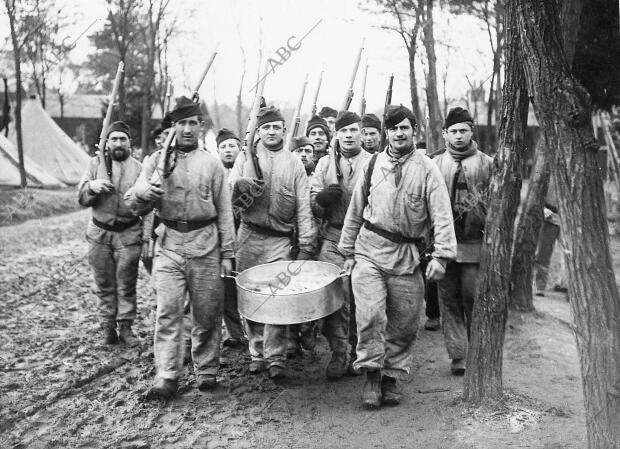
528	229
563	109
413	83
434	109
483	378
531	219
10	7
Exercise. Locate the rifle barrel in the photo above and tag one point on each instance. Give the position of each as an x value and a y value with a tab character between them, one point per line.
108	115
349	95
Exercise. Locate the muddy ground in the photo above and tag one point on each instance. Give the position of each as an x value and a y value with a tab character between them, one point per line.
60	388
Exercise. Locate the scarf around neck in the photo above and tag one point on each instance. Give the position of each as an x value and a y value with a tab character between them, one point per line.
350	153
459	155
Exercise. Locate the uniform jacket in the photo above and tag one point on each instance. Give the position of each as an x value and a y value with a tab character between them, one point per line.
197	189
286	196
419	202
111	208
478	169
351	169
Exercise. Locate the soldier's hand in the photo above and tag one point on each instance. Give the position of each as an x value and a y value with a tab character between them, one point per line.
253	186
99	186
226	267
329	195
348	265
153	193
435	271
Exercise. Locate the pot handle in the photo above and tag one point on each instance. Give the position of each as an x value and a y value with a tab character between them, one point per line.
233	275
343	274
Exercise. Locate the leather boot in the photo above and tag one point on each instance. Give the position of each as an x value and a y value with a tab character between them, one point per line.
108	334
457	367
371	396
163	388
390	391
206	382
125	334
337	366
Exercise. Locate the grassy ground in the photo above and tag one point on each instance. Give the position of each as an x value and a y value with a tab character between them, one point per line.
18	205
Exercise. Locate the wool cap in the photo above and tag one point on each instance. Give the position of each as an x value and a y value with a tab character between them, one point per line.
346	118
396	114
269	114
185	108
299	141
371	121
119	126
326	111
166	121
458	115
225	134
318	122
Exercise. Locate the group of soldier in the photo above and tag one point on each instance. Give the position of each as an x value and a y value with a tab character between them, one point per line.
391	217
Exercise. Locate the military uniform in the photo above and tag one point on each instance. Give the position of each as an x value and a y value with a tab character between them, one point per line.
114	235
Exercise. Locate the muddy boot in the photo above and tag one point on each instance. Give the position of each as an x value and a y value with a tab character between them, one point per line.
457	367
108	334
307	337
163	389
371	396
337	366
390	391
432	324
256	366
206	382
125	334
276	372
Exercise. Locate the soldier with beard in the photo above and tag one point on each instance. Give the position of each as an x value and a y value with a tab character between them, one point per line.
114	235
318	133
371	133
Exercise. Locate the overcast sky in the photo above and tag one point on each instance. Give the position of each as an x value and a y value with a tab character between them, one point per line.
332	46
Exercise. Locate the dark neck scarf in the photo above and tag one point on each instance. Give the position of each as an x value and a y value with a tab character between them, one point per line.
398	159
459	155
350	153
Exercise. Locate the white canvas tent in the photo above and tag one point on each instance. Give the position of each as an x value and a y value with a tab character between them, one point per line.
48	146
9	169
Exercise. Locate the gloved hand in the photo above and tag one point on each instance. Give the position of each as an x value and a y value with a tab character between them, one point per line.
329	196
98	186
305	255
253	186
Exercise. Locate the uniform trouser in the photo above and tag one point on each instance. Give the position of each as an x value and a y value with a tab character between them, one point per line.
546	240
336	325
231	311
174	275
457	291
266	341
388	310
115	269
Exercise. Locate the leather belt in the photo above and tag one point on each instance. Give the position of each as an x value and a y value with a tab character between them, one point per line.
392	236
187	225
268	231
118	226
336	225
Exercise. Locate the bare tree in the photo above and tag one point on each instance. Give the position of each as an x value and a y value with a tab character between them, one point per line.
483	378
432	97
563	109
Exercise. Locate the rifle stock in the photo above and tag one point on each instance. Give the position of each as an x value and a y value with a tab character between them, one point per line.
316	95
252	166
106	121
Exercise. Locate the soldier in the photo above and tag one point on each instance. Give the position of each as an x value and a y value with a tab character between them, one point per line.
280	203
114	235
329	115
399	198
467	173
371	133
194	249
330	198
318	133
228	147
304	150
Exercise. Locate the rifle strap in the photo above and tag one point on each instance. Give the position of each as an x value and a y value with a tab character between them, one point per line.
367	178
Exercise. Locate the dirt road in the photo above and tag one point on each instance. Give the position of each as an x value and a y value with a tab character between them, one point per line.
60	388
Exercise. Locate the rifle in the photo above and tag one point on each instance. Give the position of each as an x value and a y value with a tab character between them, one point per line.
334	154
316	95
388	101
105	161
363	100
251	158
166	151
297	115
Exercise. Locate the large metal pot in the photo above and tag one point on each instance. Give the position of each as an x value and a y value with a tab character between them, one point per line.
289	292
